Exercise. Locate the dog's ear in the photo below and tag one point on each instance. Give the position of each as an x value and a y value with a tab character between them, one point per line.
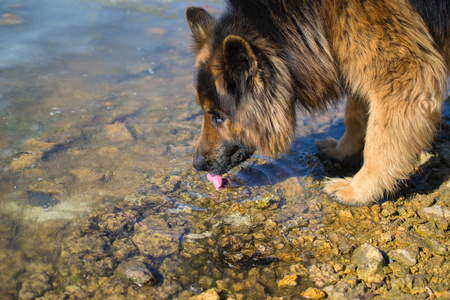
240	62
201	24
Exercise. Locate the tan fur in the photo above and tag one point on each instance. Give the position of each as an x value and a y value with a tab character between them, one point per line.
352	143
203	55
402	86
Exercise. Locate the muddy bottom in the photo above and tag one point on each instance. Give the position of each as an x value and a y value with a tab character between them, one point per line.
99	198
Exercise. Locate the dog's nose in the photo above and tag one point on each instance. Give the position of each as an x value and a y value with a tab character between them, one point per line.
199	162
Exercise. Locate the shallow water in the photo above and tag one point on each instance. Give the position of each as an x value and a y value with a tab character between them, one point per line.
98	115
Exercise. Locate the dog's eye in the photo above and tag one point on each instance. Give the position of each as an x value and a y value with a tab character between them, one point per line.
218	119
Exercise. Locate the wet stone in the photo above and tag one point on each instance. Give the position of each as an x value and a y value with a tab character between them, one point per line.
323	274
405	256
40	199
388	209
118	133
370	263
34	286
86	175
117	222
23	160
288	280
154	237
436	213
135	271
437	247
123	248
313	294
210	294
410	283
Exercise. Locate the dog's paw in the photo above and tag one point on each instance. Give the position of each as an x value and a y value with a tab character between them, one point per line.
344	192
328	148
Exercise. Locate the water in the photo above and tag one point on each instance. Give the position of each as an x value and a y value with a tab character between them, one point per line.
98	122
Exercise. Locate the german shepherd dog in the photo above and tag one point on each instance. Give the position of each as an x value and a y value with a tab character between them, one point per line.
261	59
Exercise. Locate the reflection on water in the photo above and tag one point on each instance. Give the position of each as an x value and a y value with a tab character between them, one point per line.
98	123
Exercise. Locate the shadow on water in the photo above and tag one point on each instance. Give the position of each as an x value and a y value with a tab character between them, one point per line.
302	160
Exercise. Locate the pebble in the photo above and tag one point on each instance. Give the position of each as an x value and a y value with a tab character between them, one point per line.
40	199
313	294
406	257
210	294
435	213
135	271
370	263
155	238
288	280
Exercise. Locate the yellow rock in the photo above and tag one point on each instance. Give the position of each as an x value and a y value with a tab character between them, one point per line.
118	132
36	145
86	175
288	280
313	293
24	161
210	294
345	214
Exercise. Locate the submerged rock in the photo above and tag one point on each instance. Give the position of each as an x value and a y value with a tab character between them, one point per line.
118	133
40	199
313	294
154	237
288	280
135	271
23	160
210	294
323	274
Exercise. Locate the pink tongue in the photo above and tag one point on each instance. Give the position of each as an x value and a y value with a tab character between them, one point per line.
217	181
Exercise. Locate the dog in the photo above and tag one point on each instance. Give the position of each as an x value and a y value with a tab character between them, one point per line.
261	60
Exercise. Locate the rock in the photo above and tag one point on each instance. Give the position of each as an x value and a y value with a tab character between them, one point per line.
313	293
48	187
86	174
435	213
24	160
437	247
407	257
370	263
117	222
345	214
323	274
34	286
154	237
123	248
238	223
410	283
118	132
135	271
288	280
388	209
40	199
210	294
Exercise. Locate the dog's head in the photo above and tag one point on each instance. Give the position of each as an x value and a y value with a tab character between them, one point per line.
244	90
